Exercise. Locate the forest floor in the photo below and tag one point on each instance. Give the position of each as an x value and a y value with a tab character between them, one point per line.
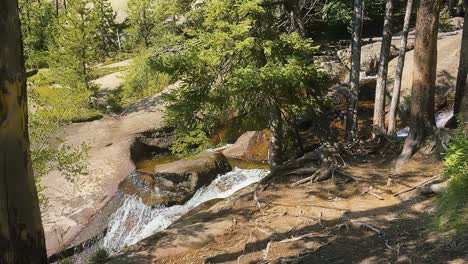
329	222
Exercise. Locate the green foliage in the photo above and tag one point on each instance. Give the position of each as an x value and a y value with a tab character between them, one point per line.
142	80
338	12
453	204
75	45
444	21
50	108
190	143
152	22
100	256
236	64
106	28
67	261
38	20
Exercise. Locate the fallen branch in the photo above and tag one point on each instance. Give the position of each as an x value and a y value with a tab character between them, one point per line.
418	185
293	239
368	191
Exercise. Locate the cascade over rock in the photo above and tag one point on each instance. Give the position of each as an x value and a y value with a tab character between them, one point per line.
175	182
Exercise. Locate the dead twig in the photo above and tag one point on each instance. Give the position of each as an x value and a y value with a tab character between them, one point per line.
417	185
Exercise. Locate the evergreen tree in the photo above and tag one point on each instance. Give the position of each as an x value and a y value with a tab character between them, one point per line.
141	20
21	232
37	21
76	44
106	28
237	64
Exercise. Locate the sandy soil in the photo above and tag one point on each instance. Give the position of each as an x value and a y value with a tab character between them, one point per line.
319	223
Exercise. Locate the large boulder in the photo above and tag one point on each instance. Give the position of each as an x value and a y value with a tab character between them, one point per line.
175	182
370	55
448	56
251	146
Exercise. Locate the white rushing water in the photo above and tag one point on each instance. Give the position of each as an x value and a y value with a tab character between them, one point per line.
441	119
134	221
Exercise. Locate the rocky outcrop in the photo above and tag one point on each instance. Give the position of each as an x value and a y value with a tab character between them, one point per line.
370	55
251	146
175	182
448	55
73	204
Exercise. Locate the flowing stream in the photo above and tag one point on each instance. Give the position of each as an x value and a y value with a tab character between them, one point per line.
134	221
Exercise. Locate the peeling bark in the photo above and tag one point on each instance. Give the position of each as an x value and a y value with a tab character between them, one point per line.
21	232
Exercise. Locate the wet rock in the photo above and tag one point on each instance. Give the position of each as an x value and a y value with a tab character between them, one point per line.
175	182
251	146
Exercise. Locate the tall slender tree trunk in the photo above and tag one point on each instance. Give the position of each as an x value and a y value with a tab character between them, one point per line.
21	232
352	114
399	70
422	120
379	106
461	90
451	7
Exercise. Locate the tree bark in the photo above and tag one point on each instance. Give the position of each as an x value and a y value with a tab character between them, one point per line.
379	106
352	114
461	90
275	147
399	70
422	120
21	232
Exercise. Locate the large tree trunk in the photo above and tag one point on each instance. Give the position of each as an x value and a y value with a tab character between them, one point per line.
352	114
21	233
461	92
422	121
399	70
379	106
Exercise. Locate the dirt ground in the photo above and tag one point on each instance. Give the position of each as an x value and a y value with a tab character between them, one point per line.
329	222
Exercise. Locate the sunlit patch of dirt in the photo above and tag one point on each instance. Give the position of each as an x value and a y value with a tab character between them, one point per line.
329	222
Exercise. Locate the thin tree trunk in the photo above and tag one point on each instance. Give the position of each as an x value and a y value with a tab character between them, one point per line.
379	106
399	70
461	92
451	7
422	120
352	114
275	147
21	233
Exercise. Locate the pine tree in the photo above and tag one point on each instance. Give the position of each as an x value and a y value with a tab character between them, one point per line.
21	232
235	59
141	20
399	70
37	19
76	44
422	120
106	28
379	106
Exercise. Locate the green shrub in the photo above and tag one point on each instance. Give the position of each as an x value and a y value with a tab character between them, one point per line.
67	261
142	80
453	204
444	21
190	143
100	256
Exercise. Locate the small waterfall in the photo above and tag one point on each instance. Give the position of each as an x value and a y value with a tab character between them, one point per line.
441	119
134	221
